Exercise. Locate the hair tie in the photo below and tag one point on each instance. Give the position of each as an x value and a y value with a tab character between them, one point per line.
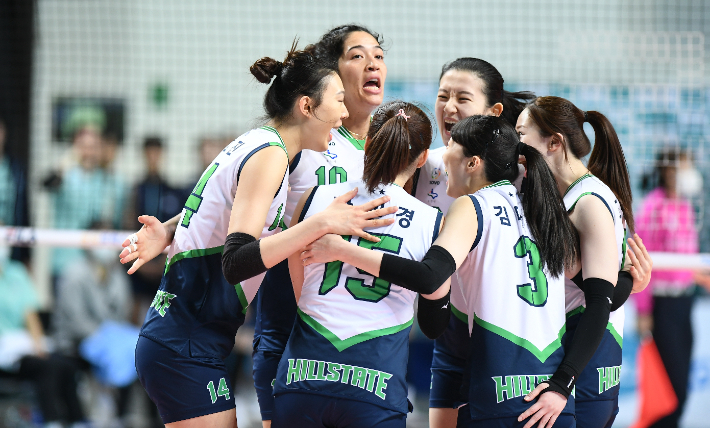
585	116
401	113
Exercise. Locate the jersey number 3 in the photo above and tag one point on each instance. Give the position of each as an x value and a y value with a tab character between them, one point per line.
356	286
534	293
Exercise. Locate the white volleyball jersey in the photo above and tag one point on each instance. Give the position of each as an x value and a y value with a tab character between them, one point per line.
516	308
591	185
430	188
204	221
501	280
351	335
349	302
342	162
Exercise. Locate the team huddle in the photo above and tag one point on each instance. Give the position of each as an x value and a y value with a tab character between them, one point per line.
337	222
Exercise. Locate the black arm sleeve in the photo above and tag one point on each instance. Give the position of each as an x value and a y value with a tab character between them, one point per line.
587	336
423	277
241	258
622	291
433	315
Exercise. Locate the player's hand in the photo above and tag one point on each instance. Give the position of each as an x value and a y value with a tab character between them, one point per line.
324	250
150	241
341	218
638	263
546	410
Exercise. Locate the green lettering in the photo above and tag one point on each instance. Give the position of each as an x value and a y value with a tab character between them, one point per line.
346	373
333	373
293	371
527	384
516	386
192	205
371	375
311	374
277	219
542	378
321	368
605	379
359	377
304	369
382	384
501	388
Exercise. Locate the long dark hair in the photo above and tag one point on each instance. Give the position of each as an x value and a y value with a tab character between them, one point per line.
301	73
513	102
495	141
554	115
330	46
399	132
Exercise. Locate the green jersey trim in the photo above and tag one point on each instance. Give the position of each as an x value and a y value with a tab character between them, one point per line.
458	314
191	254
242	297
341	344
498	184
609	326
574	183
540	354
280	143
358	144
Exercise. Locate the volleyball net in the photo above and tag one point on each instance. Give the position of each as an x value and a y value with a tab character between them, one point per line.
166	85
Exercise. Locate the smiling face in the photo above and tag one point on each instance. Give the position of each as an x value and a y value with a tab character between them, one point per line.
328	115
460	96
363	71
529	133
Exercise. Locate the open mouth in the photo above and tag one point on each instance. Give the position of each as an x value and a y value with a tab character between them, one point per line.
448	125
372	83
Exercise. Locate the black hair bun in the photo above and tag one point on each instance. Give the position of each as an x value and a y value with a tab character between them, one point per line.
266	68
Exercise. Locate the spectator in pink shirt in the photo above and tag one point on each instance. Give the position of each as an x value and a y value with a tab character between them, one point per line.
666	222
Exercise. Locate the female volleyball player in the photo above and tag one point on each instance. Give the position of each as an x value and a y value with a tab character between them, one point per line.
345	362
511	257
467	87
356	53
208	282
598	199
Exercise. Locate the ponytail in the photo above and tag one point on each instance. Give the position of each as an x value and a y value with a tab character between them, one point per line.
514	103
554	115
399	132
546	215
608	163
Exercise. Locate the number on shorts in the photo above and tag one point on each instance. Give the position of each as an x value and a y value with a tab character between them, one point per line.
356	286
534	293
195	199
222	390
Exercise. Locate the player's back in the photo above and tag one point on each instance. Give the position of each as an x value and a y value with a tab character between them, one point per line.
515	307
352	320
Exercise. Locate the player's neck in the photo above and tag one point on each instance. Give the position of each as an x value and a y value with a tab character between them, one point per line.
358	124
291	136
567	172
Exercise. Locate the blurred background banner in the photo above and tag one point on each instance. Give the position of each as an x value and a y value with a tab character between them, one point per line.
113	108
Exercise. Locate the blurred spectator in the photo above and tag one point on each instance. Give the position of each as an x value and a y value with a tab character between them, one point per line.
152	196
91	319
13	193
84	193
23	348
209	149
666	222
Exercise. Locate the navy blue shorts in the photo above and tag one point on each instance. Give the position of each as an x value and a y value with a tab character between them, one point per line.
596	413
265	364
563	421
304	410
448	366
182	387
275	316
